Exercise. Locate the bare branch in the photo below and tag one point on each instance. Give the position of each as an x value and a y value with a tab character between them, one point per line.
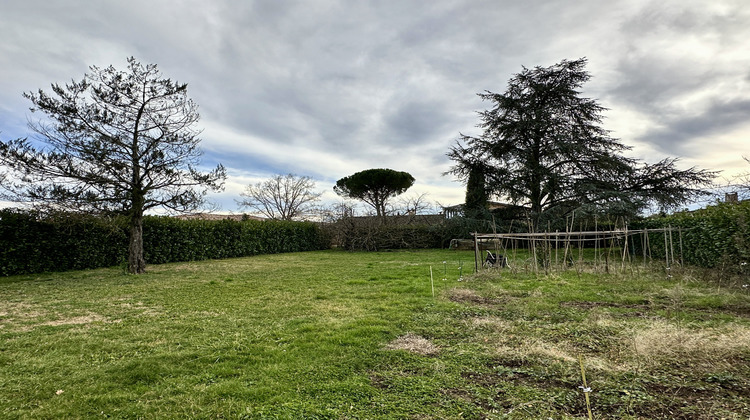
282	197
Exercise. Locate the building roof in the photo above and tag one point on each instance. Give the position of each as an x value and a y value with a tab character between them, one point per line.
214	216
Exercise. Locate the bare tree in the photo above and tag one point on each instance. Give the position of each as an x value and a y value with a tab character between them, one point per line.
282	197
743	181
737	186
116	142
415	204
336	211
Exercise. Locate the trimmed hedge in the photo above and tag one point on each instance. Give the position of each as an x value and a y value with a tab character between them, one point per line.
167	239
31	242
717	236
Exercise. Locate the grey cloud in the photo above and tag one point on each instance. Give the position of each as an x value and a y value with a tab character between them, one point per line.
652	84
662	59
682	132
358	81
416	122
682	70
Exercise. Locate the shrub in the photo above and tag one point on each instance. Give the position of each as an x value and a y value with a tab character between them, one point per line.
718	235
31	242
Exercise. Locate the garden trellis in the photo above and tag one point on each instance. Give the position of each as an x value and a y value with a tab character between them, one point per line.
560	248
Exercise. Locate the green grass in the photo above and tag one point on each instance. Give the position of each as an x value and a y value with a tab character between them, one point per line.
359	335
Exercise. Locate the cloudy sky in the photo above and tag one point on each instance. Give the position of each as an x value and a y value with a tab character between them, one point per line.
326	88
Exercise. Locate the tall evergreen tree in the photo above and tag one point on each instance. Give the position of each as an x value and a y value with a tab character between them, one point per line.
374	186
115	142
543	146
476	201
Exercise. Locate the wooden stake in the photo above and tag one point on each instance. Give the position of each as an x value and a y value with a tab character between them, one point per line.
557	260
666	250
596	244
646	248
682	261
625	248
476	253
671	244
585	388
432	283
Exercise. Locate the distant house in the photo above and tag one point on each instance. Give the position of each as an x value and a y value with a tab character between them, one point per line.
731	197
213	216
453	211
458	210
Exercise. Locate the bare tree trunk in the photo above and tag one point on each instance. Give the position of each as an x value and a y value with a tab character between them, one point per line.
136	262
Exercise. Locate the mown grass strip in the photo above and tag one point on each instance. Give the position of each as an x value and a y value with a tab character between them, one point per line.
358	335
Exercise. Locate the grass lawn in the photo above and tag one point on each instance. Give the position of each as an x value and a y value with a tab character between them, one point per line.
360	336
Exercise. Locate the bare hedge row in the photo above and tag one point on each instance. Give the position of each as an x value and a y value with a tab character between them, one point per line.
415	232
33	243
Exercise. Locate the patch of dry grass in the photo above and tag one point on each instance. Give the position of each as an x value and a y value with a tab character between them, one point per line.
24	318
465	295
76	320
653	346
661	340
414	344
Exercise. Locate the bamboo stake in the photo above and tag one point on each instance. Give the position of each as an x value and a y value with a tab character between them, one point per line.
631	250
432	283
585	388
607	255
547	251
496	243
557	259
579	266
625	247
567	236
476	253
507	243
666	250
682	261
533	245
645	247
671	243
596	244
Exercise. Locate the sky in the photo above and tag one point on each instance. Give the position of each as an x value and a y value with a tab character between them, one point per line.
326	88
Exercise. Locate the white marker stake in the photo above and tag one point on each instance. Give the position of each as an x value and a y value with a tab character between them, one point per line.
432	283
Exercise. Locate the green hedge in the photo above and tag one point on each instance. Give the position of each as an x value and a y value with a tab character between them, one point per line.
31	242
717	236
373	234
168	239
